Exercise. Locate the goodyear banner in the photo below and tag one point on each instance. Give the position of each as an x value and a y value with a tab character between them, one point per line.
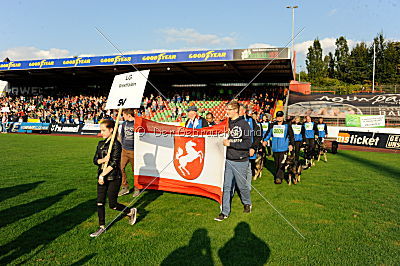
369	139
167	57
178	159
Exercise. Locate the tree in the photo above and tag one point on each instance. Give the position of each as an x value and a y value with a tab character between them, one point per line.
331	66
391	62
342	58
314	63
360	64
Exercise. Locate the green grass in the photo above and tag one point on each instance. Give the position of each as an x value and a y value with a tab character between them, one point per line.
347	209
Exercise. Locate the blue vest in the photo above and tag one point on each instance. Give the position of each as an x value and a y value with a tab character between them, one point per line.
310	133
297	132
280	139
321	133
199	125
264	126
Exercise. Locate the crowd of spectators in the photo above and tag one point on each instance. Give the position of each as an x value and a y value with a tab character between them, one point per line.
91	109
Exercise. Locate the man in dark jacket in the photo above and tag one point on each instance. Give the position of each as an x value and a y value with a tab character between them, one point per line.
237	161
195	121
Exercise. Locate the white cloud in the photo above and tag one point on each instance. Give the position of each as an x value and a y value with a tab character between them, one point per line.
31	53
192	37
261	45
327	44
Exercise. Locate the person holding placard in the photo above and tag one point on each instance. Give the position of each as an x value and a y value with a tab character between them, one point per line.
109	178
282	137
126	139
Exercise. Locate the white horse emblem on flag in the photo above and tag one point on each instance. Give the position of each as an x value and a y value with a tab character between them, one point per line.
188	160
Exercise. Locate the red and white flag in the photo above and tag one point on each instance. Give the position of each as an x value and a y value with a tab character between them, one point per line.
178	159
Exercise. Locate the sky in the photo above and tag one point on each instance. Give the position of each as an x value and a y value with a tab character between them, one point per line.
55	29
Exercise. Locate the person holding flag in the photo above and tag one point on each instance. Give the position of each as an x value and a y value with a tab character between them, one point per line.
126	139
282	137
109	178
195	121
238	145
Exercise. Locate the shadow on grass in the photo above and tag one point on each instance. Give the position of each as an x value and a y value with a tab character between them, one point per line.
84	260
46	232
197	252
392	172
245	248
148	197
10	192
16	213
270	166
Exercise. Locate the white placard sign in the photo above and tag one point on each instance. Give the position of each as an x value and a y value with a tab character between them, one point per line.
372	121
127	90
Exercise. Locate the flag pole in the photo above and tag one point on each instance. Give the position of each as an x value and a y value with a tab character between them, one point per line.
113	136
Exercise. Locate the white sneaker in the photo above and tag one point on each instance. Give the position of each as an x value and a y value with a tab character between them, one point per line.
132	216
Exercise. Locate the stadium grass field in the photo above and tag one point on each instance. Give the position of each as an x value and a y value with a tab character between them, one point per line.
347	210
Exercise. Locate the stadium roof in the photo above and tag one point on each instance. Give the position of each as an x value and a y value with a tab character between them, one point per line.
193	67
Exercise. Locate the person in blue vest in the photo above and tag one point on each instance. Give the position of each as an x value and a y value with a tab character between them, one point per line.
194	120
322	129
265	125
282	137
309	132
298	136
256	137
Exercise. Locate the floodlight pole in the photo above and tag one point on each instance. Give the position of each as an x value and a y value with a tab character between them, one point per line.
373	72
292	7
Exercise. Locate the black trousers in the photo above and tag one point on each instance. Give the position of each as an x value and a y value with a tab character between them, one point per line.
297	145
110	189
279	171
311	146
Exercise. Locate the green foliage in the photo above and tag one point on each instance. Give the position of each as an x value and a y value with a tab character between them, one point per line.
348	209
315	64
354	67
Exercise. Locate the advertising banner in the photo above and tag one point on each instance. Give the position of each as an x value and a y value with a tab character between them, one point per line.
369	139
90	129
338	106
365	121
163	57
66	128
28	127
261	53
